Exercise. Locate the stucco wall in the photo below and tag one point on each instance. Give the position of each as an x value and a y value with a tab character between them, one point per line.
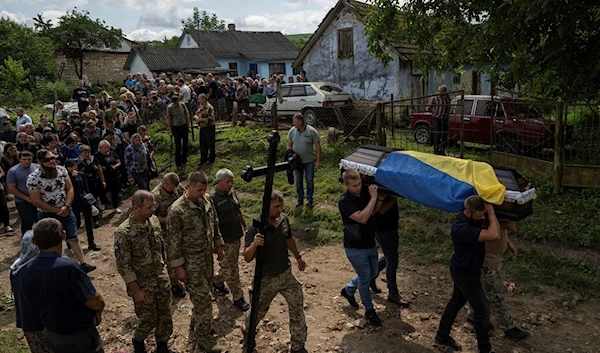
437	78
137	65
188	42
363	76
98	67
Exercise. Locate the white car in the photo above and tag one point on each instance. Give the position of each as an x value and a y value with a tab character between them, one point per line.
314	100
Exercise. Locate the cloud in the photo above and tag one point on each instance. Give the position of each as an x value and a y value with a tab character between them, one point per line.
146	34
52	15
15	17
294	4
288	23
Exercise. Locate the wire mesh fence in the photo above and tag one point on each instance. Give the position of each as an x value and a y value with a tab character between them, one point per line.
582	132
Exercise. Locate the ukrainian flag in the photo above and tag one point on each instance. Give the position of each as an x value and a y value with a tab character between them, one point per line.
438	181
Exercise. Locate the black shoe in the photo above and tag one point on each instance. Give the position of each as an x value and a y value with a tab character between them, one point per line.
448	341
94	247
87	267
162	347
178	292
302	350
350	298
299	203
96	225
516	334
374	287
310	204
371	315
472	322
397	300
138	347
241	304
220	288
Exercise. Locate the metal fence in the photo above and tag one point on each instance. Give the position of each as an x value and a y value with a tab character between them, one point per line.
582	131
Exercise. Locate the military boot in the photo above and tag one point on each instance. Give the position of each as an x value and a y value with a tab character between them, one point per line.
161	347
138	347
208	345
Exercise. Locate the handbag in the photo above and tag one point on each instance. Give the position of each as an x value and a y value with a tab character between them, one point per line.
89	198
352	232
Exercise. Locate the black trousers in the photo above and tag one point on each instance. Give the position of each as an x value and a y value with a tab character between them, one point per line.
468	290
440	137
180	134
87	341
207	144
81	206
4	214
28	215
112	185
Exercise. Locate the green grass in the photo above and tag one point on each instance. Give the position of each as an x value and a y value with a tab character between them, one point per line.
9	342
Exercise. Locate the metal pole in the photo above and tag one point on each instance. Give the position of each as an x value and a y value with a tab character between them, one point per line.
462	124
262	227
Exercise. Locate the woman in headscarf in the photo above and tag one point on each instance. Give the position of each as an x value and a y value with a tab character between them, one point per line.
27	319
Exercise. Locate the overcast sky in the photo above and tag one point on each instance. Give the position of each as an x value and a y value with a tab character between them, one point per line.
155	19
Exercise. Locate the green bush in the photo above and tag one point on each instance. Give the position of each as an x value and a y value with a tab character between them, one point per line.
44	91
18	98
586	137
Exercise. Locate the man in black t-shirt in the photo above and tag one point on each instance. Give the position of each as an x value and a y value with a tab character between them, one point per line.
277	274
214	92
386	234
469	239
357	206
81	96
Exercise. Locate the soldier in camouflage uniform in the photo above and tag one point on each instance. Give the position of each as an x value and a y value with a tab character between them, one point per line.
277	273
232	225
491	280
165	194
139	255
192	237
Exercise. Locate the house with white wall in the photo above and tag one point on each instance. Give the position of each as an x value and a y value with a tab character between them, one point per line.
244	52
146	60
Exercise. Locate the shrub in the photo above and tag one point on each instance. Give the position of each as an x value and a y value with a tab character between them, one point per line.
44	92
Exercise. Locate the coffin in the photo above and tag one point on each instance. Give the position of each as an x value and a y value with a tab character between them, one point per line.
441	182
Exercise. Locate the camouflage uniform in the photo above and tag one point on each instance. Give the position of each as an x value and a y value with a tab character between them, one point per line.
230	225
138	250
192	234
162	201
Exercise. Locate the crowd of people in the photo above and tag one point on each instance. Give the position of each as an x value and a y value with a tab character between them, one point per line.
166	246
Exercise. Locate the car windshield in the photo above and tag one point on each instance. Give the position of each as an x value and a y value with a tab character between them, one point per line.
331	89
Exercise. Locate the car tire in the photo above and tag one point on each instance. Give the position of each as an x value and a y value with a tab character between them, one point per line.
310	117
423	135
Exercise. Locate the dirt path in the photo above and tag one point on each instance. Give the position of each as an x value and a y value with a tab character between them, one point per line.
555	328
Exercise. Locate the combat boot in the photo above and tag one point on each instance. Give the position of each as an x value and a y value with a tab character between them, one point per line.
208	346
161	347
138	347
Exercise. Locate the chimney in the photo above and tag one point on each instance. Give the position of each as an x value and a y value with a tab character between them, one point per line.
231	26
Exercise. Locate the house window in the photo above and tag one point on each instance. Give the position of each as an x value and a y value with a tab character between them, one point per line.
234	68
276	69
188	39
345	43
456	79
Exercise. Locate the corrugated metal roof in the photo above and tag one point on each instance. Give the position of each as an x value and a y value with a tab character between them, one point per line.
256	46
173	59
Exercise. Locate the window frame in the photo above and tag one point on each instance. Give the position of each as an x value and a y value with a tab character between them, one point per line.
345	35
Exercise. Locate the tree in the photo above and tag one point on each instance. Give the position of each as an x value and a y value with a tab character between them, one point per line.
76	32
40	24
165	43
22	44
13	81
203	21
546	48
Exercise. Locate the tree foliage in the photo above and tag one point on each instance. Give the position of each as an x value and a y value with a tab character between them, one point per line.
14	81
165	43
76	32
34	52
203	21
544	47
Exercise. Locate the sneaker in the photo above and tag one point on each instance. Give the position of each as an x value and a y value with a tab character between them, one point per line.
371	315
117	211
374	287
516	334
241	304
350	298
87	267
178	292
448	341
220	288
397	300
94	247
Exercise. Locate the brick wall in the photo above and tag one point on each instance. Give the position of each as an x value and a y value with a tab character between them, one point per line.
98	67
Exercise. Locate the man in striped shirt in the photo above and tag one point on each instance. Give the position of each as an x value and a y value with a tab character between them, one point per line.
439	106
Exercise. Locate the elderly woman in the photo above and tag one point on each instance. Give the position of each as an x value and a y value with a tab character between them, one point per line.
138	162
28	319
110	164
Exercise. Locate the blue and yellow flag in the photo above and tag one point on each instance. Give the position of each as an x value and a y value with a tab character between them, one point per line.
438	181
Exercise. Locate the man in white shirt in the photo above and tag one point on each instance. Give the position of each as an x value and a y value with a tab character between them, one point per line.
22	118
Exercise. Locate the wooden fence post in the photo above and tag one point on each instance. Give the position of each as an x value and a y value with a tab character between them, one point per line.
558	148
380	125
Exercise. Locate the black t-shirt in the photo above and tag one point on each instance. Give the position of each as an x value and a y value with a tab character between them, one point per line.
202	89
214	86
276	257
468	250
90	170
349	204
130	129
389	220
108	161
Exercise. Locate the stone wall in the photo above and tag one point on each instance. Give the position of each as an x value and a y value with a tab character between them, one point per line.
98	67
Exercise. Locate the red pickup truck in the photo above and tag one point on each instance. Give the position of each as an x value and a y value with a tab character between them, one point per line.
516	128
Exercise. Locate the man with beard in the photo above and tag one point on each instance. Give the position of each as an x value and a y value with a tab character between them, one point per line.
469	238
16	183
52	193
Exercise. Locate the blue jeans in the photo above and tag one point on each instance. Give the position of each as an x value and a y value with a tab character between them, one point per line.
388	240
364	262
307	169
69	222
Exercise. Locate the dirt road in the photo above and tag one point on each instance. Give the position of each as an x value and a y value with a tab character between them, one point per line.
558	323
